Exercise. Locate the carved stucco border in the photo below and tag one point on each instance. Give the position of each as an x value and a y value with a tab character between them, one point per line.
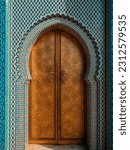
21	85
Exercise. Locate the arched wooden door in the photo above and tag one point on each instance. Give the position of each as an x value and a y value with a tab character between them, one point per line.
57	90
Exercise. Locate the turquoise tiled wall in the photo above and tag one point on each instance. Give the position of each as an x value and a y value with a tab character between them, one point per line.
2	74
24	13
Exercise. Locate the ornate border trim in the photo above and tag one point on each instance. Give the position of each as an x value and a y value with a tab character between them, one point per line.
23	75
49	21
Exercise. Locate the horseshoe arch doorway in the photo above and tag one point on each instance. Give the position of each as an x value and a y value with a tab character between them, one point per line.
58	97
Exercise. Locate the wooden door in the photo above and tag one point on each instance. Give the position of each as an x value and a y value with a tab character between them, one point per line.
57	90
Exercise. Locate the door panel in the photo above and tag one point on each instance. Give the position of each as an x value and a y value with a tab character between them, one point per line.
56	91
41	106
72	88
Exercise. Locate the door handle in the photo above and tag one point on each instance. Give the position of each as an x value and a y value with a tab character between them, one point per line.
63	76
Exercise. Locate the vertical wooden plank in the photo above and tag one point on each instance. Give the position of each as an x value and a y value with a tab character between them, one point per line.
72	90
42	91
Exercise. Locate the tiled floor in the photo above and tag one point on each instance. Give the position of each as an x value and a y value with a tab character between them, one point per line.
56	147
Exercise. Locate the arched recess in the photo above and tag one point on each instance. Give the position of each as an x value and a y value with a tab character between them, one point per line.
90	49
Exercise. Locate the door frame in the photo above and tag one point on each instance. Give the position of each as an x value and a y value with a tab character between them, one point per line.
91	77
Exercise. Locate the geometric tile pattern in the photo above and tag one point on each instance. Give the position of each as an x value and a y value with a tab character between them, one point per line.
91	14
92	55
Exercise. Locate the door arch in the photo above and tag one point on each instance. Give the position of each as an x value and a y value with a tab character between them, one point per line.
90	48
57	99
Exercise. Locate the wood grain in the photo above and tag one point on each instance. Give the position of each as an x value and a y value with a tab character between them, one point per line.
57	90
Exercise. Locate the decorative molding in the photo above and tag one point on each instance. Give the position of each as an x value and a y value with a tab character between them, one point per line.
47	22
25	47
